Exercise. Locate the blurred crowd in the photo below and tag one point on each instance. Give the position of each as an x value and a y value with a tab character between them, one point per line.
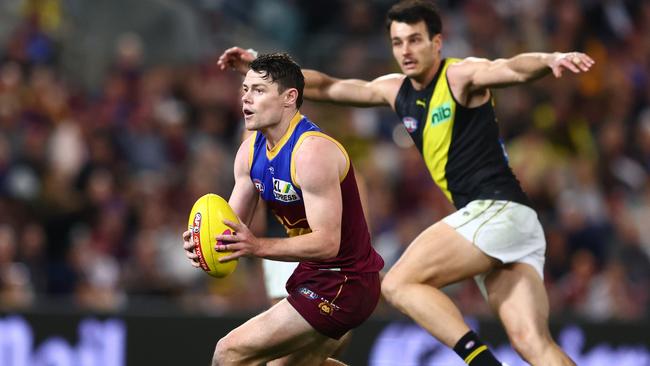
96	183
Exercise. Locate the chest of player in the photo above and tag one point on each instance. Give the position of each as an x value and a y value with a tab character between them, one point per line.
272	178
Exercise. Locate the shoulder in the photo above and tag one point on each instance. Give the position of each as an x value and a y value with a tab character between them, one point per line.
390	79
245	152
388	83
388	86
318	158
316	147
464	68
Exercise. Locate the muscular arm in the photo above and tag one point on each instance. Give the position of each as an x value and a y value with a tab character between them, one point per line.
353	92
319	164
473	76
322	87
244	196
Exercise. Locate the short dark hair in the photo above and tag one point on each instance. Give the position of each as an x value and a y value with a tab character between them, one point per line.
413	11
283	70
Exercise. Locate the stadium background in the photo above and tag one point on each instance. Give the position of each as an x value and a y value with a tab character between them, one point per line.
114	119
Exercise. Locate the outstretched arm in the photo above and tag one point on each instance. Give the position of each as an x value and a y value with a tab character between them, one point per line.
471	78
324	88
319	165
477	73
353	92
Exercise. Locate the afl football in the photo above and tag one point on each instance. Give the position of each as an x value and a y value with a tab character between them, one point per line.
205	223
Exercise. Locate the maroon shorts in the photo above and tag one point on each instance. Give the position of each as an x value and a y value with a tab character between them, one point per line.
333	302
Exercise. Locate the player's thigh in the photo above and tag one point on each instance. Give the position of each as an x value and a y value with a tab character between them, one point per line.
311	354
440	256
274	333
516	293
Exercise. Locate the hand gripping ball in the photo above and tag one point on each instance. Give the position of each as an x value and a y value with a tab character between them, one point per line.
205	223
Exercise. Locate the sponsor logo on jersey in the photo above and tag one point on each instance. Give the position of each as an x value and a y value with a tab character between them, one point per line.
284	191
410	123
441	114
421	103
259	185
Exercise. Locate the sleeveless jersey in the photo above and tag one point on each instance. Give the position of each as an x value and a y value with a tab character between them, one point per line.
273	174
460	145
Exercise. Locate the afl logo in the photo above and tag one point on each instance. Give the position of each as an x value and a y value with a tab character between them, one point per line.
410	123
197	223
258	185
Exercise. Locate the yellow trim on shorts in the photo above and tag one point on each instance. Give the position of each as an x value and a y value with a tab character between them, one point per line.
340	289
475	353
319	134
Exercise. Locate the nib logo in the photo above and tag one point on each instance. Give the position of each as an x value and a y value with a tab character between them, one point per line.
441	114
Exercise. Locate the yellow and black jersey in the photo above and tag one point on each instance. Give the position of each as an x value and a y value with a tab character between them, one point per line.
460	146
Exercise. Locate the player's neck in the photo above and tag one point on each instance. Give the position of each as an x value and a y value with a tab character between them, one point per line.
274	134
420	83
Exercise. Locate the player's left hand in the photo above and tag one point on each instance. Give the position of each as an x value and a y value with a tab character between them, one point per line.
576	62
241	242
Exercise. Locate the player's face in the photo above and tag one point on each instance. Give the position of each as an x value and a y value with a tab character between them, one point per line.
262	104
415	52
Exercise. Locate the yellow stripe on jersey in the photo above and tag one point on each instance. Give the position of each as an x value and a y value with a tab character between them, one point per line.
319	134
297	231
251	150
436	136
272	153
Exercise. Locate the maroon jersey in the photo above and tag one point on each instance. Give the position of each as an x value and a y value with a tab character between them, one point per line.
272	172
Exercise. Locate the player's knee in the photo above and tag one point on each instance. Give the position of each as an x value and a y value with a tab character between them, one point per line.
390	287
227	352
528	342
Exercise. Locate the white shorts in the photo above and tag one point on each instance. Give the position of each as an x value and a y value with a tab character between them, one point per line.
276	275
505	230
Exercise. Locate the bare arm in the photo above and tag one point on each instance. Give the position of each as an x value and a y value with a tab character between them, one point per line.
324	88
319	164
244	196
476	75
353	92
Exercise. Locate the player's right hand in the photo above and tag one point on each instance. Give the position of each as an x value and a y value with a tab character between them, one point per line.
188	246
237	59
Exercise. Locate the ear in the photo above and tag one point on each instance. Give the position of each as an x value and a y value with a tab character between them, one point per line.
437	42
290	97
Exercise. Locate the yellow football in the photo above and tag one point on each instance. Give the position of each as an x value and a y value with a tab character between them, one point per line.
206	222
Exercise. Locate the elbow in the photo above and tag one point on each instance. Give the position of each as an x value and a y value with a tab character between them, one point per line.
332	251
330	247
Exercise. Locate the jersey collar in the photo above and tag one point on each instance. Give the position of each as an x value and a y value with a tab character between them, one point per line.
272	153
